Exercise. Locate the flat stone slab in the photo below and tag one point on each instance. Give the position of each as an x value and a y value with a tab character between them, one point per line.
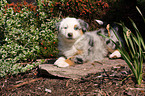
79	70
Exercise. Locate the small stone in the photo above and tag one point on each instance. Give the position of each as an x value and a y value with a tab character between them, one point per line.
48	90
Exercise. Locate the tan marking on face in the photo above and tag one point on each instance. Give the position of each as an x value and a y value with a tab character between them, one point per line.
81	32
75	26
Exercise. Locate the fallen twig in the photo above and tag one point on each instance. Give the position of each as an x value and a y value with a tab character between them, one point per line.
24	83
98	62
140	89
67	83
125	78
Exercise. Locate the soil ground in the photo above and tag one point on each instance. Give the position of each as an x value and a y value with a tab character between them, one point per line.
117	81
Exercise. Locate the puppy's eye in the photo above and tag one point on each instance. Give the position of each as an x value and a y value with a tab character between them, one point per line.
65	27
76	27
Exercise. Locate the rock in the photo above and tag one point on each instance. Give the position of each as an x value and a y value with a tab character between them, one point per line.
79	70
48	90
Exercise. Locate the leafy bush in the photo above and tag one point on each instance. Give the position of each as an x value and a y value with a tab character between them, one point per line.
88	10
28	33
81	8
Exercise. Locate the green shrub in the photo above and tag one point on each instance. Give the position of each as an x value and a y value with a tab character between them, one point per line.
28	33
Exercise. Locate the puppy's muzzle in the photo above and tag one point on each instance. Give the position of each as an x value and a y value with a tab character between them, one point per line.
70	35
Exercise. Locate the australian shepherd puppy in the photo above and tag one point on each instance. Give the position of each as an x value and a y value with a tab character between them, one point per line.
77	46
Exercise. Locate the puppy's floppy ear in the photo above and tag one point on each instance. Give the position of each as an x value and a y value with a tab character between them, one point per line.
84	25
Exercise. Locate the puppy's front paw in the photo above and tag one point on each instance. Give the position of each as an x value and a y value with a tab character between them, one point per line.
60	62
115	54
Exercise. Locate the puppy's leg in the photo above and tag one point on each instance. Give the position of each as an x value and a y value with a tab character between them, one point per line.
115	54
71	60
77	58
62	62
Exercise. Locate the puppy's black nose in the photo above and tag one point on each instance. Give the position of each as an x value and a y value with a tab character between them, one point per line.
70	34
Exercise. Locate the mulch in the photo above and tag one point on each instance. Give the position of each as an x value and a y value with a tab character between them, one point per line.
116	81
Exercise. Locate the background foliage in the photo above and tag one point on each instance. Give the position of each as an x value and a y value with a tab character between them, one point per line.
88	10
28	32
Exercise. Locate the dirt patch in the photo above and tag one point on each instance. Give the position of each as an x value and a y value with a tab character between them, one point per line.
107	82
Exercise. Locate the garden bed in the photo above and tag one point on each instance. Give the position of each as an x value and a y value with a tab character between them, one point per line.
107	82
28	32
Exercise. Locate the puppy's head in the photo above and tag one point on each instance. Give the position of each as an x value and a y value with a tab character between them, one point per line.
72	28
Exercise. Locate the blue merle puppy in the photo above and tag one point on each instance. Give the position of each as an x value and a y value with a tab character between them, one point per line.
77	46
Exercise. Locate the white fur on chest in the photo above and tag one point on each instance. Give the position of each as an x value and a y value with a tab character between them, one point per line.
66	47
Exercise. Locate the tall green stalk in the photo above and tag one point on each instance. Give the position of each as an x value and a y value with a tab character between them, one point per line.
135	45
136	48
